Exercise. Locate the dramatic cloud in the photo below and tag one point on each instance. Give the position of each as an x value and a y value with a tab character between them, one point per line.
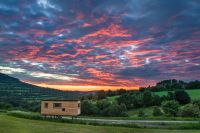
108	44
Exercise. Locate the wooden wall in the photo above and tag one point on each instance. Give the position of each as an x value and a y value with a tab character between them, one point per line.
70	108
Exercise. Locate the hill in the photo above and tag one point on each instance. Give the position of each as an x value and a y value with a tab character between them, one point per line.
13	88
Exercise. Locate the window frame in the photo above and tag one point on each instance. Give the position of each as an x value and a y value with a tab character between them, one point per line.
57	105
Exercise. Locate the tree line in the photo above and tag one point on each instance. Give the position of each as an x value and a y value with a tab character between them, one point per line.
172	85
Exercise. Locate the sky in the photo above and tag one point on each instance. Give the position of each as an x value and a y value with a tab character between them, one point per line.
100	44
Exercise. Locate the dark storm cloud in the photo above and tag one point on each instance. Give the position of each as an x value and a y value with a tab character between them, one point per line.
142	72
101	42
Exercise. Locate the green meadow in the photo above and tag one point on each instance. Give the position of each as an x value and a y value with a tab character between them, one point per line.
194	94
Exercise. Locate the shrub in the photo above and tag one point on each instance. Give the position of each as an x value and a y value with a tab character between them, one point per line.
170	107
141	114
190	110
5	106
196	102
157	111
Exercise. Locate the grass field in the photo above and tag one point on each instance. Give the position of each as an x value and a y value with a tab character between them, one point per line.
194	94
9	124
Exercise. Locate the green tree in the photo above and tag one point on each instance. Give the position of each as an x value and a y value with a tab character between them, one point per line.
182	97
103	105
121	91
110	93
170	95
193	85
190	110
170	107
101	94
147	98
5	106
156	100
88	108
116	110
126	99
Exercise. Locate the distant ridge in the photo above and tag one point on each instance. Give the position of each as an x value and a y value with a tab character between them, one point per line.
13	88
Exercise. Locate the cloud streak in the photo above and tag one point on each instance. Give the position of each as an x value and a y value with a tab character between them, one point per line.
103	43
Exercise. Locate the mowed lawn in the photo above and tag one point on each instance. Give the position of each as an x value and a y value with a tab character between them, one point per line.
9	124
194	94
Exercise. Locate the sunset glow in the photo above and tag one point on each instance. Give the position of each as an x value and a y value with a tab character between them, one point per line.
90	45
85	88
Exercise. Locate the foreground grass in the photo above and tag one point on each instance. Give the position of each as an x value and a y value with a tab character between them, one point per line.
9	124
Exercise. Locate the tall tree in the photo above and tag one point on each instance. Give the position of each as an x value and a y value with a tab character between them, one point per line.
182	97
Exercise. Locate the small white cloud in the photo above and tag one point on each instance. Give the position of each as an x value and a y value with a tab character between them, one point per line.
147	61
46	4
39	23
122	57
60	35
25	61
133	47
187	61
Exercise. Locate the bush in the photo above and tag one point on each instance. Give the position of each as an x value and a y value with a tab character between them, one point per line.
190	110
88	108
170	108
157	111
5	106
141	114
196	102
116	110
182	97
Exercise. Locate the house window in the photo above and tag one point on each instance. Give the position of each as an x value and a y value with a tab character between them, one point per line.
63	109
45	105
57	105
79	105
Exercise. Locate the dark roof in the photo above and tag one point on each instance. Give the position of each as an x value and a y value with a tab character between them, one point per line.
61	100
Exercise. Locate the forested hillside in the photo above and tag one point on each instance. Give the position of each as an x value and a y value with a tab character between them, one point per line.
12	88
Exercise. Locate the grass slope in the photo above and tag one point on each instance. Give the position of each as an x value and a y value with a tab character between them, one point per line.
9	124
194	94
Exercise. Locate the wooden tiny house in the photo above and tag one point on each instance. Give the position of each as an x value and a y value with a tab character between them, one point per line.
60	107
